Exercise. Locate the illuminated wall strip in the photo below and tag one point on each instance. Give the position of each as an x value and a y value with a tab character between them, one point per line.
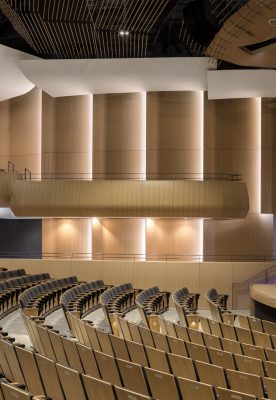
201	133
143	238
259	155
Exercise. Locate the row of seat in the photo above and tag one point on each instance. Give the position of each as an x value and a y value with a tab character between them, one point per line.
152	301
256	324
14	273
42	298
118	299
83	298
185	303
140	368
10	289
217	304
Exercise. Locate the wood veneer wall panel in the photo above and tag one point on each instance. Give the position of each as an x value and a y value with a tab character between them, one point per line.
119	236
268	156
232	143
174	133
118	135
66	236
25	131
238	238
4	133
173	237
67	136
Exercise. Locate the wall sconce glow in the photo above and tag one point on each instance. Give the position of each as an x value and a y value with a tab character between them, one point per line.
259	157
143	135
143	240
95	221
200	239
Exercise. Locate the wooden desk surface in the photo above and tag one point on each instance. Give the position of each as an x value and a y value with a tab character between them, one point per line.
265	294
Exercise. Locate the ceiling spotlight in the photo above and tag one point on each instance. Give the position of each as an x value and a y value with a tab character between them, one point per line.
272	22
123	33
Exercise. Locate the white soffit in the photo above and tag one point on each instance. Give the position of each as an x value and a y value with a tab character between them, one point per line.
231	84
12	81
79	77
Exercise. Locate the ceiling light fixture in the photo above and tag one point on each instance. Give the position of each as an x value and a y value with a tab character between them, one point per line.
272	21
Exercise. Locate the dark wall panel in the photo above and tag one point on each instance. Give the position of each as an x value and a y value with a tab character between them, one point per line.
20	238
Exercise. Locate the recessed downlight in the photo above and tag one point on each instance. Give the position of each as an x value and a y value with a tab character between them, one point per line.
272	21
123	33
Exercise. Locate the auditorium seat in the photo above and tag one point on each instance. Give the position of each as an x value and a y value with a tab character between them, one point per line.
228	394
191	390
133	377
71	383
162	385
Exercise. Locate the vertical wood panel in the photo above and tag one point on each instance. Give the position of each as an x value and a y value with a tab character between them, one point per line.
118	142
66	236
172	236
4	133
268	156
118	236
25	131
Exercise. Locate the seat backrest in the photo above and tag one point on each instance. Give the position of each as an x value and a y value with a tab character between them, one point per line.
137	353
88	361
244	335
133	377
227	394
211	374
158	359
182	366
222	358
105	343
245	383
119	348
162	385
13	392
191	390
108	368
125	394
71	383
177	346
55	339
49	376
72	355
197	352
97	389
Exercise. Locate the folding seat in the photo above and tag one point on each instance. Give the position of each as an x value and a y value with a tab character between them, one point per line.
269	327
133	377
72	355
92	335
254	351
182	366
196	337
104	340
162	385
119	348
46	342
255	324
227	394
125	328
12	392
182	332
97	389
211	374
108	368
243	321
160	341
262	339
244	335
212	341
55	339
82	327
170	327
197	352
215	328
30	370
88	361
158	359
146	336
270	385
245	383
231	346
11	357
271	354
4	365
177	346
222	358
125	394
137	353
249	365
270	368
49	376
228	331
191	390
204	322
71	383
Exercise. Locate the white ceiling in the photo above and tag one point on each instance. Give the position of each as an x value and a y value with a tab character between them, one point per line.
78	77
12	81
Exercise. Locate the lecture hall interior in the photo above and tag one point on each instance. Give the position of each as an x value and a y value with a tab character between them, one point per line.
137	199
